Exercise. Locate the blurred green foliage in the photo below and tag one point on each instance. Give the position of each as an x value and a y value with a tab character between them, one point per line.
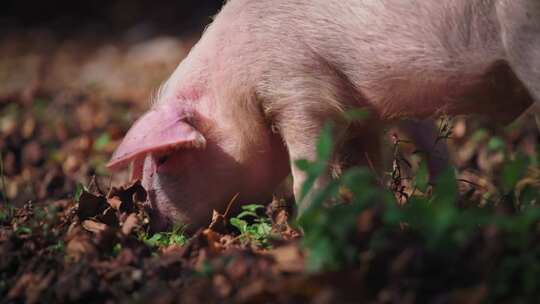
435	222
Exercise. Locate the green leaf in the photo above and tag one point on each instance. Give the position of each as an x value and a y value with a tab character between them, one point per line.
302	164
446	190
165	239
155	240
321	256
513	171
529	195
258	231
116	249
422	177
263	229
245	214
324	145
496	144
79	189
58	247
23	230
249	210
177	239
102	141
241	225
252	207
6	213
479	135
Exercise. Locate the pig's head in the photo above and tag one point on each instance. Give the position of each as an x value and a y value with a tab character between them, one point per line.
189	168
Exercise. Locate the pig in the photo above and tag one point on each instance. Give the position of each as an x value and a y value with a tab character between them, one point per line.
254	93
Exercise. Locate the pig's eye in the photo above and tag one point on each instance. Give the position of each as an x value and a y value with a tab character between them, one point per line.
162	159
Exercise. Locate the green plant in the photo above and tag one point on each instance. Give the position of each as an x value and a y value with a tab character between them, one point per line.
433	222
102	141
164	239
79	189
7	212
328	231
21	230
117	248
258	231
59	246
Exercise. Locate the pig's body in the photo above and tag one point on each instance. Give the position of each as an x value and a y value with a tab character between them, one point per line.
289	65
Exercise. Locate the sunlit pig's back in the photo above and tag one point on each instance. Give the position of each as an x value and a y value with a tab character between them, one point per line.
403	57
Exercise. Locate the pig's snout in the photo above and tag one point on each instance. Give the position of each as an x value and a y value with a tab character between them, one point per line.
164	208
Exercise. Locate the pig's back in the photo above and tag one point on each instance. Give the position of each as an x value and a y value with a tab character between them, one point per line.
404	56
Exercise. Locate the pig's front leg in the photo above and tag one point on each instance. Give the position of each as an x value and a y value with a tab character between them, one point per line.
301	133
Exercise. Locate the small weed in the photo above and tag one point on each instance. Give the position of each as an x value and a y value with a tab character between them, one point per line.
496	144
23	230
117	249
80	188
57	247
165	239
102	141
6	213
257	232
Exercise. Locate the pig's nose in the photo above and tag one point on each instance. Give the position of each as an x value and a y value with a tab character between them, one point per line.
158	221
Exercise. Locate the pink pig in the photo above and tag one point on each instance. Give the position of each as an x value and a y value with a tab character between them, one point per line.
254	93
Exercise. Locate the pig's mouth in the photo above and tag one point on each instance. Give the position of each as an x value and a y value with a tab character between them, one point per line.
162	210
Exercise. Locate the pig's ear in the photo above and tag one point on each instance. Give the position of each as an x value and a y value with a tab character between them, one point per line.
157	131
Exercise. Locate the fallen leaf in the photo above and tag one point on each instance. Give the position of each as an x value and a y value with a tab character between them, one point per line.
93	226
91	205
131	223
79	244
115	202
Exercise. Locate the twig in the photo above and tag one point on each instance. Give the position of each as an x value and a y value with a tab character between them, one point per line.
372	167
230	205
396	186
216	217
471	183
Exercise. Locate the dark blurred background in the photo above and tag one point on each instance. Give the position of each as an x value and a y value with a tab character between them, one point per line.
74	75
49	48
68	17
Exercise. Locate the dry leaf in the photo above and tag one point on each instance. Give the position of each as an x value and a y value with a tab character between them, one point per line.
131	222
